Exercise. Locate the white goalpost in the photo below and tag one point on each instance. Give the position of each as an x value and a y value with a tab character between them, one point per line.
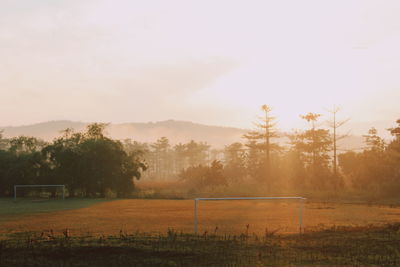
300	199
39	185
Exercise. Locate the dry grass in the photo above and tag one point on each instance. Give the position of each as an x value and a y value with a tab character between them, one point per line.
230	217
335	246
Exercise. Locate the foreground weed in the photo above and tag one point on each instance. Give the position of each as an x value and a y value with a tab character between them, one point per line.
334	246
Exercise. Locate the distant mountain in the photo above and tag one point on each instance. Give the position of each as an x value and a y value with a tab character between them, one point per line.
44	130
361	127
175	131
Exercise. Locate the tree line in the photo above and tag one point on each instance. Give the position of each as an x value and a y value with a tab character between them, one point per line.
267	161
88	163
377	168
302	162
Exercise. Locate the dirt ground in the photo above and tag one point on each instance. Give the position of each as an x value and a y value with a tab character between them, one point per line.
153	216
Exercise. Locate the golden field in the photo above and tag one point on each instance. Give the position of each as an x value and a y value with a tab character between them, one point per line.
154	216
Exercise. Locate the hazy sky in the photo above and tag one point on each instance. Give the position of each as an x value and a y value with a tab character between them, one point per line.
208	61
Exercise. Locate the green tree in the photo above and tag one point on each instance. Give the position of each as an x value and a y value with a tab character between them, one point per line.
7	182
3	142
201	178
180	157
25	144
395	131
369	171
313	146
262	139
393	155
373	141
65	160
235	162
163	160
92	164
197	153
22	163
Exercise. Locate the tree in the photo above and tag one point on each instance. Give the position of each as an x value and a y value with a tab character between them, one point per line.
235	165
395	131
107	167
25	144
375	170
216	176
311	135
370	170
163	163
91	163
393	151
293	170
261	139
234	153
313	146
335	124
3	141
197	153
395	143
65	160
141	152
179	157
140	149
96	130
373	141
200	177
22	163
7	160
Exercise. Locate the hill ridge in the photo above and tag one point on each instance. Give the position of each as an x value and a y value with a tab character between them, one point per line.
175	130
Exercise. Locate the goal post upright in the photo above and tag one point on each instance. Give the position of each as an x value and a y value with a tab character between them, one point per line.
301	211
301	206
39	185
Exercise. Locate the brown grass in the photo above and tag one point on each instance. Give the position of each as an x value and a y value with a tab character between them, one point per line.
229	216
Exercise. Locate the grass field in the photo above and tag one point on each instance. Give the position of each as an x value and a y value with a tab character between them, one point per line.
84	216
159	233
9	208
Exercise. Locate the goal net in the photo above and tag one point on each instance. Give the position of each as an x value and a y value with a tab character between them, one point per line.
39	191
248	214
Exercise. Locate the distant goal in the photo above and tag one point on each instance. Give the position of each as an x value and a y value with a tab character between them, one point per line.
300	200
38	186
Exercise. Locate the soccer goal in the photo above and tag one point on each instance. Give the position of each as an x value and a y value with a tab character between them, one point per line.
299	199
39	186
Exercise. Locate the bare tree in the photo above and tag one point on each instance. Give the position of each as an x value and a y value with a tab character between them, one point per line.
335	124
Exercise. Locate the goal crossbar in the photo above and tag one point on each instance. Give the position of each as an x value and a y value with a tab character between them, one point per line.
38	185
301	206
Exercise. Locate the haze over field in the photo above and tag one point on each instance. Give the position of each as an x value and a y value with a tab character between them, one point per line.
199	132
210	62
175	131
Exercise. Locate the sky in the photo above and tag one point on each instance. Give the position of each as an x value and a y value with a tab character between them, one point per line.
211	62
